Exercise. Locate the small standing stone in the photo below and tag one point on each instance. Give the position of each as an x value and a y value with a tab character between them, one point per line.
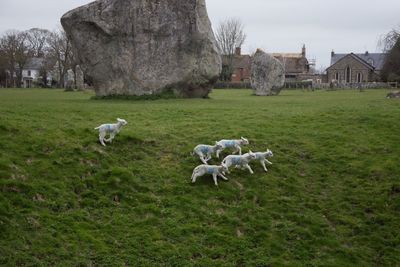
80	84
395	94
69	80
267	74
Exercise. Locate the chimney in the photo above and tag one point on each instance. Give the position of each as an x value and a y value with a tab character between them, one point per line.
332	53
366	53
303	51
238	51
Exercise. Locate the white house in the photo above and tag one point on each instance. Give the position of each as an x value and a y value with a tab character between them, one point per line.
31	72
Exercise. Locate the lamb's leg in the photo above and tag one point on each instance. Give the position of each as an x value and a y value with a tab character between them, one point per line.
112	136
249	168
215	179
227	168
240	150
108	139
101	138
269	162
263	164
223	177
217	153
239	167
235	151
203	159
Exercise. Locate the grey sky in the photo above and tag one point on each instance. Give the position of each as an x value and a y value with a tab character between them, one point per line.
274	25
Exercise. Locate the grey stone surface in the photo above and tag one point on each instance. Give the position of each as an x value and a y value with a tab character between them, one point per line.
395	94
267	74
132	47
80	83
69	80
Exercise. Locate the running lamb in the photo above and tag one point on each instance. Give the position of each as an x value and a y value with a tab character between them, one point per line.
205	151
112	129
210	169
236	144
241	161
262	158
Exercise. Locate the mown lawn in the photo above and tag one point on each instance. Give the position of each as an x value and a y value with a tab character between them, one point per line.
332	197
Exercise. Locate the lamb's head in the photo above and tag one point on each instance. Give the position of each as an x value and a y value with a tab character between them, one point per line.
244	141
122	122
251	155
269	153
223	168
218	146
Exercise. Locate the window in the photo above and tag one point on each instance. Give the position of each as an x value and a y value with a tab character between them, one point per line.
348	75
29	73
337	76
359	77
371	62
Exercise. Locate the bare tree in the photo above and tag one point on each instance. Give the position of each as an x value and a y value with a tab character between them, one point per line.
230	35
37	40
16	52
391	68
60	53
390	44
3	70
8	47
388	40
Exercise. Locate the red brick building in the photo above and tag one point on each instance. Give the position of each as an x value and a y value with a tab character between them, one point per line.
241	66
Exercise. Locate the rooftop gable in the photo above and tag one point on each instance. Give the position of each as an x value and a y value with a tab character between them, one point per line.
355	57
376	60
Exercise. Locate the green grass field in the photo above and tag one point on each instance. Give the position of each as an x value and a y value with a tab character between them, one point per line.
332	197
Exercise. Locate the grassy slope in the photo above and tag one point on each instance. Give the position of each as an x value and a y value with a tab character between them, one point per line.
331	198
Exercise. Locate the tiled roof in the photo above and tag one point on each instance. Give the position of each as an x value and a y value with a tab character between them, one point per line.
375	59
242	61
287	55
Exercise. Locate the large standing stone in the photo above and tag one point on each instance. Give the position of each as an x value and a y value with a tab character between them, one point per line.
267	74
132	47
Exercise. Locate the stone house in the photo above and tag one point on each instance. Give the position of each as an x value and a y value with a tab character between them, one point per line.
355	68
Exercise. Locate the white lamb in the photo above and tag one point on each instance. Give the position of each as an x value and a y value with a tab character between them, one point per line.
262	158
241	161
111	129
215	171
236	144
205	151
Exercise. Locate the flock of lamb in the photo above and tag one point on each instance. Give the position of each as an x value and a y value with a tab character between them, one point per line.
204	152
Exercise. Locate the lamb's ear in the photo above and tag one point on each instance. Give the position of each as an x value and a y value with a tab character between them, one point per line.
251	152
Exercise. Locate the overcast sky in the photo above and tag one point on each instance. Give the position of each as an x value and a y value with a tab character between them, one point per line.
274	25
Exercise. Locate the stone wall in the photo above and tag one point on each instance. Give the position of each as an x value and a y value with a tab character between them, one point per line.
371	85
356	67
